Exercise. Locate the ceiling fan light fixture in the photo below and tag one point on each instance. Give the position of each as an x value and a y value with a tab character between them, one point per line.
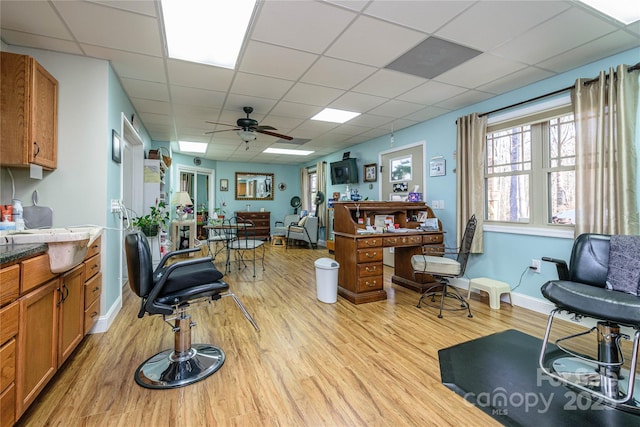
247	135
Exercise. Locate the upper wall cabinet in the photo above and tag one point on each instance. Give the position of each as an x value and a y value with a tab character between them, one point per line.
29	111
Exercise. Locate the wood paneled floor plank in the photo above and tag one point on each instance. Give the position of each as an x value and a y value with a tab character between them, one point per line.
311	364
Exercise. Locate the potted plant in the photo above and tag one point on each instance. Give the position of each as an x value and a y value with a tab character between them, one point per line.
150	223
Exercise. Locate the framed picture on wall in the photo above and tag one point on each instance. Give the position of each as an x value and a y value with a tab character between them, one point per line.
224	185
371	172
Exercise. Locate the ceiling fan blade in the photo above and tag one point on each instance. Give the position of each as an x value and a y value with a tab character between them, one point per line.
221	130
277	135
263	127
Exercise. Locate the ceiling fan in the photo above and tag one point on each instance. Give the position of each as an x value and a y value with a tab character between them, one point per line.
248	128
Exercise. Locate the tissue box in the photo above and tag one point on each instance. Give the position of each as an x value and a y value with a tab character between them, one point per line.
415	197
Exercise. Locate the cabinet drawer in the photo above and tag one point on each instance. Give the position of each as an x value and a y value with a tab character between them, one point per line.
369	255
373	242
35	271
91	315
7	364
402	241
433	250
8	406
367	270
9	284
9	321
370	283
432	238
94	248
92	290
91	266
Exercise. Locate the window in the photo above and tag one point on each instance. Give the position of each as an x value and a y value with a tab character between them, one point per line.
530	170
312	189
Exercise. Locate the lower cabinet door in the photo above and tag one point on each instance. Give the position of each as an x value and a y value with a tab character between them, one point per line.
71	315
38	337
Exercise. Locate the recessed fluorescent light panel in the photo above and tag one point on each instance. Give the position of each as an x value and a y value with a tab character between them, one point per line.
206	31
287	151
625	11
335	116
192	147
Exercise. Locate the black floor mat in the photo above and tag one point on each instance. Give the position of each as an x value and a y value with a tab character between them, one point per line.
499	374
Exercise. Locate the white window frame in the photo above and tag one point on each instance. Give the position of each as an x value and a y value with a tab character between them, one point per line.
538	176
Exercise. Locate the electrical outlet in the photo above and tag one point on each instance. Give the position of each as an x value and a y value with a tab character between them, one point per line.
535	263
115	205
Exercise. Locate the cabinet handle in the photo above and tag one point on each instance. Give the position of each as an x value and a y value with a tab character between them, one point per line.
94	314
368	255
36	149
371	285
371	269
97	288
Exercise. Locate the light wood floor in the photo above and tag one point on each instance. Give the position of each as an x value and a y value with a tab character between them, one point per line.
312	364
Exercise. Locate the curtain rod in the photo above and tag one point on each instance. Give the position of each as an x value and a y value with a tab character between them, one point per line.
555	92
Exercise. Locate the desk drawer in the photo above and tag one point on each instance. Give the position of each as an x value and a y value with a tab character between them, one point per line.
403	241
432	238
372	242
370	283
369	255
433	250
370	269
9	284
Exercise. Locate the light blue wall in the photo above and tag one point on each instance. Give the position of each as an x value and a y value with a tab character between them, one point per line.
506	255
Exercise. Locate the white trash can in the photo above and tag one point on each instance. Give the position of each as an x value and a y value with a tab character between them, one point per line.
327	280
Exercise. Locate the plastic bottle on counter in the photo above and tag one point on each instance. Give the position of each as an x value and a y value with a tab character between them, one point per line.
17	210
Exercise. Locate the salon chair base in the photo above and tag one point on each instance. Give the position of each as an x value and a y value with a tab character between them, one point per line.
170	370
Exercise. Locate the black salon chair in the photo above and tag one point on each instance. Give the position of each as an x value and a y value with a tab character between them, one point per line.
443	269
583	289
170	291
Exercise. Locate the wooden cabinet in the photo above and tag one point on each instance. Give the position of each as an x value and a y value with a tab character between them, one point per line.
38	343
71	312
9	320
261	221
92	286
29	113
360	277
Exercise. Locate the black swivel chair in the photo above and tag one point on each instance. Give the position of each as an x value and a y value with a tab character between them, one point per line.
443	269
582	290
170	290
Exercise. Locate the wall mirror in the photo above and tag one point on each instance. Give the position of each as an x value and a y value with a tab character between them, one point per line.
254	186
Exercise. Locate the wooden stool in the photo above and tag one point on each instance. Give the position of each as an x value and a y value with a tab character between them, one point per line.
277	239
494	288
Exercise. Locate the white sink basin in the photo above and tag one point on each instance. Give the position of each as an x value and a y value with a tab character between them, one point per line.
67	247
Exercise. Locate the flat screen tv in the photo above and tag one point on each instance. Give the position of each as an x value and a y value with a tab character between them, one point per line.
344	172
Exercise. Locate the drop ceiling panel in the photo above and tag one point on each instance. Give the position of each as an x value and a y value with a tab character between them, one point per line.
480	70
502	21
40	42
129	64
275	61
312	94
193	96
379	47
35	17
190	74
336	73
431	93
260	86
303	25
388	83
515	80
396	108
145	89
357	102
425	16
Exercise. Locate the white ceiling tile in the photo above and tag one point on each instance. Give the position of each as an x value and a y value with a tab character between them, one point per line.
275	61
467	98
146	7
374	42
312	94
516	80
388	83
357	102
193	96
503	20
427	113
129	64
145	89
150	106
425	16
566	31
336	73
396	108
304	25
40	42
35	17
431	92
482	69
260	86
94	24
191	74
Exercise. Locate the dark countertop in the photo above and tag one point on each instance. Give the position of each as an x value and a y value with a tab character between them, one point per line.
12	253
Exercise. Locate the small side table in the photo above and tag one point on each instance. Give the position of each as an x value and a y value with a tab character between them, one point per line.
178	226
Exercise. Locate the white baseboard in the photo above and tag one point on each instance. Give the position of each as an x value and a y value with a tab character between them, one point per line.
104	322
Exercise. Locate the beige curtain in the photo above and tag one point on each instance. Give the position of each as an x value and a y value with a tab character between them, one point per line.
304	185
471	143
606	160
321	177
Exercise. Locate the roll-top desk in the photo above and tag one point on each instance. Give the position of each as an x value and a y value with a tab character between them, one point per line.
360	277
